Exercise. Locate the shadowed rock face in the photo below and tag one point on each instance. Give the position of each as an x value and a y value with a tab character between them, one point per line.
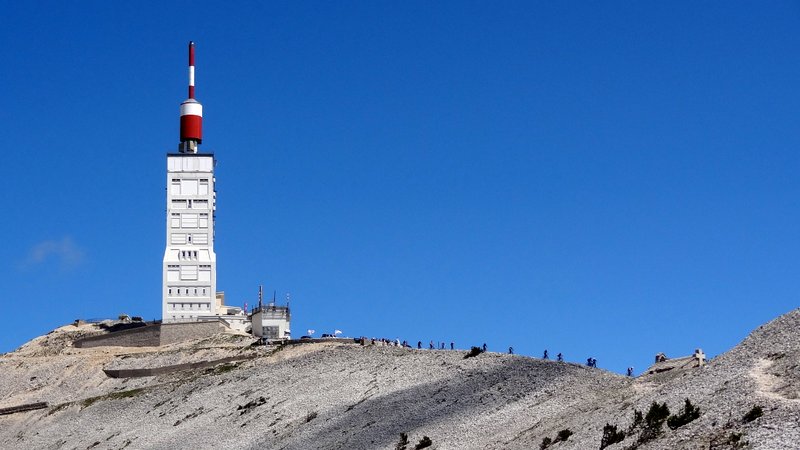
343	396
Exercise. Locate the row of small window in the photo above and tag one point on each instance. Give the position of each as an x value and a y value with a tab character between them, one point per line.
189	306
175	266
187	291
189	273
189	255
182	238
181	318
188	187
186	220
190	204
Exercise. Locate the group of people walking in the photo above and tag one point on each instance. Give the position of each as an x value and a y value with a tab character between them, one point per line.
591	362
432	345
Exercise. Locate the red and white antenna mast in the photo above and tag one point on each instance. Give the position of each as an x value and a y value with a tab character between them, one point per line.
191	114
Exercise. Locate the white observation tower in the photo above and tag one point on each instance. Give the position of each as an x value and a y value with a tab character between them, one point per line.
190	264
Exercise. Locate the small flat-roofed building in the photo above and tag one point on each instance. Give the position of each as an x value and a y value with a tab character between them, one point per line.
271	322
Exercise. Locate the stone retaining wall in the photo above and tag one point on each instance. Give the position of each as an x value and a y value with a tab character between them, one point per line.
153	335
147	336
134	373
179	332
22	408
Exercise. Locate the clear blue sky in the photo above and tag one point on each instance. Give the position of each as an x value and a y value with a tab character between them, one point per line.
599	179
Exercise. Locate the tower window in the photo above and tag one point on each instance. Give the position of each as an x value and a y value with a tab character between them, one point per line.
188	273
189	221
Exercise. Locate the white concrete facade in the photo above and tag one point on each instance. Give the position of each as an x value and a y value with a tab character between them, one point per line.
271	322
190	264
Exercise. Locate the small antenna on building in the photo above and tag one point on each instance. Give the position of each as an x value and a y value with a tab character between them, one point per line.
260	295
287	300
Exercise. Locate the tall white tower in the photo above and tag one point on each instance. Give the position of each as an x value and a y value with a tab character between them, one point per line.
190	264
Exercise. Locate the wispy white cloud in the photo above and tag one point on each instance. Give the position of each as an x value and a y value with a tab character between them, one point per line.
64	252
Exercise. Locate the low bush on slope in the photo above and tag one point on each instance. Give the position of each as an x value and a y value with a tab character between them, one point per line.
687	414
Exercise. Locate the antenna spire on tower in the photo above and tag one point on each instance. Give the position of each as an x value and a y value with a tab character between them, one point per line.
191	114
191	69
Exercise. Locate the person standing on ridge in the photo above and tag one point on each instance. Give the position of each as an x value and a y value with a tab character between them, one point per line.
545	354
510	350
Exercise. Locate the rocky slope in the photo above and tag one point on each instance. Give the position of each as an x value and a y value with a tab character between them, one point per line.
339	395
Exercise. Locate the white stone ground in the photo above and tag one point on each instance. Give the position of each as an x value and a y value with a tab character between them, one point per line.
344	396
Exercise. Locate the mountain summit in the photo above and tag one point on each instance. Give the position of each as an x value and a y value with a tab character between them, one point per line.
223	392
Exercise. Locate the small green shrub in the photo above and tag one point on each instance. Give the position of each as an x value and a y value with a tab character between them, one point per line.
564	434
58	408
753	414
403	442
247	407
112	396
125	394
687	414
425	442
638	420
653	421
736	442
656	415
545	443
611	436
224	368
474	351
